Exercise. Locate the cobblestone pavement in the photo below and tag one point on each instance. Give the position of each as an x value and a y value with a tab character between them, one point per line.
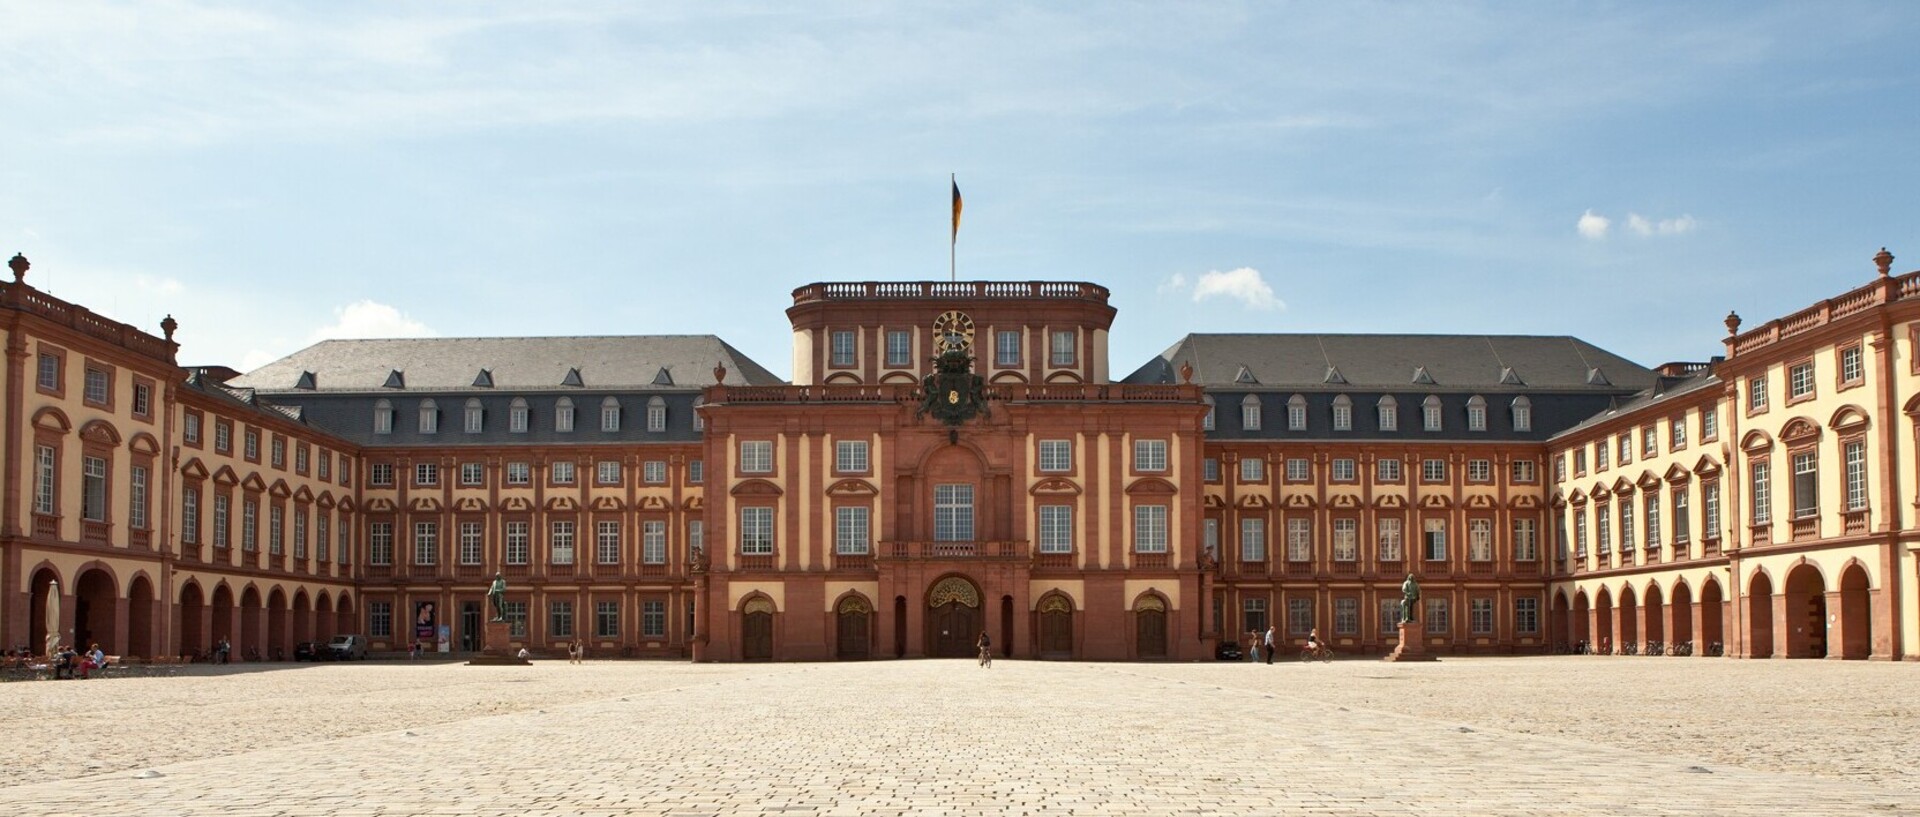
947	738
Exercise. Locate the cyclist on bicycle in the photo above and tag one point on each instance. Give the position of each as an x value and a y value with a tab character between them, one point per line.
986	650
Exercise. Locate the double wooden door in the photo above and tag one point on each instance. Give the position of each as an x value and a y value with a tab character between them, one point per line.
952	630
756	637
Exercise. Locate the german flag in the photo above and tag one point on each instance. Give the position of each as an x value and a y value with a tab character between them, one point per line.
956	212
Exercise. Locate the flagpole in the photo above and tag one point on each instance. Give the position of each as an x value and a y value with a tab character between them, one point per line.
953	273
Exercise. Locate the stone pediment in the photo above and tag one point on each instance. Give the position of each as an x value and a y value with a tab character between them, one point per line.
380	504
424	504
1151	486
651	502
756	487
563	503
852	487
1344	501
1435	501
1254	502
470	504
194	469
1389	501
516	503
1297	500
1055	485
606	503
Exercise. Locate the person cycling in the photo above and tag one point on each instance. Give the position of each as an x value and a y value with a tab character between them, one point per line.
986	650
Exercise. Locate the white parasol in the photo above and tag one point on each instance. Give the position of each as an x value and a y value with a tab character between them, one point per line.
53	617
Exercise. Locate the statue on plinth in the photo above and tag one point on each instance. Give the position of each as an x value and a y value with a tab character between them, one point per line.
497	595
1409	599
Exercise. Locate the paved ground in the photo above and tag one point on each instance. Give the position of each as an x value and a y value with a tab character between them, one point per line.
1574	735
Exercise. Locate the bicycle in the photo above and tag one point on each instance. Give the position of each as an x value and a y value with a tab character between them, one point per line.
986	657
1319	651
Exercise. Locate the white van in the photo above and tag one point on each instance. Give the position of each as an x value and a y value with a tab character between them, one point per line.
348	647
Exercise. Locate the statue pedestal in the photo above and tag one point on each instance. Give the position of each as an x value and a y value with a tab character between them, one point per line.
496	649
1412	646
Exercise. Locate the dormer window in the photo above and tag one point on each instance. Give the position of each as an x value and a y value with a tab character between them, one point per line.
1250	413
517	416
1206	422
1476	413
1522	414
1430	413
429	417
1297	413
609	415
656	415
563	415
1389	414
1342	413
474	415
382	417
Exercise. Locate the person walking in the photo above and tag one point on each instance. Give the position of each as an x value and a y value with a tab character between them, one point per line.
986	650
224	650
1253	646
1269	644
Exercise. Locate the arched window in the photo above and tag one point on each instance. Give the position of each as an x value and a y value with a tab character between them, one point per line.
1523	415
429	417
1297	413
1476	413
1206	422
563	414
1250	413
517	416
610	414
474	415
382	417
1389	413
1342	413
1430	413
656	415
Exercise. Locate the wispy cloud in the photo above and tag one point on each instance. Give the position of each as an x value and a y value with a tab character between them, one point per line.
1595	227
1244	285
371	319
1592	226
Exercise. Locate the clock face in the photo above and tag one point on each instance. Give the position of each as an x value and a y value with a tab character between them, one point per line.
952	330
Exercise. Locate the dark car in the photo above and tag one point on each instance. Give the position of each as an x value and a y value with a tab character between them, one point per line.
312	651
1228	651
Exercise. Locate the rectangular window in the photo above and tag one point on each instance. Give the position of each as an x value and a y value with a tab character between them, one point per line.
250	526
1850	369
1389	616
850	456
1580	534
899	348
1480	616
1299	616
1056	528
1650	441
1521	471
1387	538
322	541
560	542
1210	470
1480	540
1476	417
1479	470
516	615
191	428
299	533
653	619
1207	420
850	531
1625	444
380	475
474	419
472	473
324	467
1296	415
1438	620
252	449
1800	380
470	543
1006	347
301	458
1433	470
1580	461
380	619
1709	423
953	513
696	534
1346	616
1342	417
1756	394
1433	536
841	341
1149	455
519	473
1600	455
1526	540
1526	616
1389	417
607	472
1250	413
426	473
1603	528
756	456
1560	468
1522	415
1855	452
1299	539
1806	485
653	542
1346	539
97	390
517	418
1626	525
93	489
1149	528
426	542
606	541
1253	539
1056	455
1430	415
606	619
49	371
1253	469
653	472
1652	503
1386	469
1063	351
756	531
610	417
222	436
560	619
1298	469
562	473
1343	470
519	543
1677	433
190	515
696	472
1762	492
656	415
222	517
563	416
1253	615
379	543
1681	523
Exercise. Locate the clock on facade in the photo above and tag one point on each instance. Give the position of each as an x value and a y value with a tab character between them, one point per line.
952	331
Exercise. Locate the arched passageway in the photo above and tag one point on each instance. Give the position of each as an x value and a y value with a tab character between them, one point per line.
1760	616
252	641
1804	605
222	612
96	612
192	637
1603	621
1655	609
1682	614
141	618
43	585
1713	615
1629	628
1855	614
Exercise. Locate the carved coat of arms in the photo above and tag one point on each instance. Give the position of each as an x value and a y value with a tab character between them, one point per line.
953	394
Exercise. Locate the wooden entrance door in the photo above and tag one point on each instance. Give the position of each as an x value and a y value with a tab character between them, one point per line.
952	630
1056	628
853	636
756	636
1151	627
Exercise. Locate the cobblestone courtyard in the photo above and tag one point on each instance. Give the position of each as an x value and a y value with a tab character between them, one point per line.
1572	735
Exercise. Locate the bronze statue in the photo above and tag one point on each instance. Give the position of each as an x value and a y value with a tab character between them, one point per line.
1409	599
497	594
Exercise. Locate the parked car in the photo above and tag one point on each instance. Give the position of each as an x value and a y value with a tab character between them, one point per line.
1228	651
348	647
312	651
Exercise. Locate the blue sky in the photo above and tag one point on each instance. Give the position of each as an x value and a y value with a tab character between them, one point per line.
275	173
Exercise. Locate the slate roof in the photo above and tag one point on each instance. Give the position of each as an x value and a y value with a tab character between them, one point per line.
1493	363
513	364
1663	390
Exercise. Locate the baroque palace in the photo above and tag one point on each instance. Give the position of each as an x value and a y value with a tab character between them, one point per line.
952	459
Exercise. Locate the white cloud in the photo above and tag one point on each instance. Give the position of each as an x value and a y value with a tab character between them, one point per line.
1643	226
1639	224
1244	285
371	319
255	358
1173	284
1593	227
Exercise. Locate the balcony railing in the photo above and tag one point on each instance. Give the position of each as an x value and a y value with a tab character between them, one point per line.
1253	569
1806	527
949	290
1480	568
853	561
758	561
653	570
1150	560
1346	568
1709	547
954	550
28	299
1853	523
1064	560
94	533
